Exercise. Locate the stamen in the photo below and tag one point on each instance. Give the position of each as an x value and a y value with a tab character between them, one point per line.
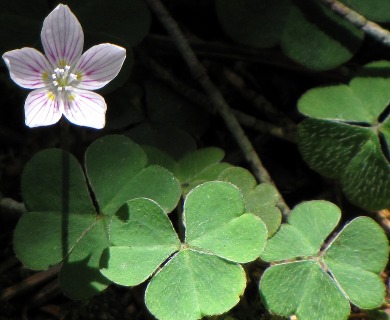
62	79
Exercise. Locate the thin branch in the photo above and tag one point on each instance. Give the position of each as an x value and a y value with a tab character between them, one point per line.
270	57
383	218
371	28
264	127
29	283
258	101
202	101
199	73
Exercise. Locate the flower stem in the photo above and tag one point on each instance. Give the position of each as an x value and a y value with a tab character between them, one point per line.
64	134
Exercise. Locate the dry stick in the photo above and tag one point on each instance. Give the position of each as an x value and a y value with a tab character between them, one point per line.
29	282
199	73
258	101
201	100
372	29
383	218
265	127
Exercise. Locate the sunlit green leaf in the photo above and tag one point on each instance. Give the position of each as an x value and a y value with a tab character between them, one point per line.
259	199
344	270
192	285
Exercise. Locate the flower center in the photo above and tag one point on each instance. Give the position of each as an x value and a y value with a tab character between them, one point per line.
63	80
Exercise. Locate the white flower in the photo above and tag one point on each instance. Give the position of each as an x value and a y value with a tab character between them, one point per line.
64	77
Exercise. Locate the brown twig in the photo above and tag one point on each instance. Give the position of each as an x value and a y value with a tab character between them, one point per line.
230	51
199	73
383	218
201	100
264	127
29	282
257	100
370	28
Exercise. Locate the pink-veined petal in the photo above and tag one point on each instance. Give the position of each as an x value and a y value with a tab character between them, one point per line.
41	108
99	65
62	37
85	108
28	67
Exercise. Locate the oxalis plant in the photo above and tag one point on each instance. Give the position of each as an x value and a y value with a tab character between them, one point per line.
136	208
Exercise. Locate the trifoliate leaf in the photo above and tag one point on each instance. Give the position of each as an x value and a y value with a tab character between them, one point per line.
202	275
317	284
63	225
347	137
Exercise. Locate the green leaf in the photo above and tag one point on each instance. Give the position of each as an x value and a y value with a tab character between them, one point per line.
192	285
354	259
338	149
193	163
328	146
376	10
79	275
209	173
63	225
304	289
214	220
192	167
354	262
142	238
308	226
54	181
385	130
335	103
325	40
203	277
156	140
43	239
259	199
125	175
161	136
370	187
363	100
